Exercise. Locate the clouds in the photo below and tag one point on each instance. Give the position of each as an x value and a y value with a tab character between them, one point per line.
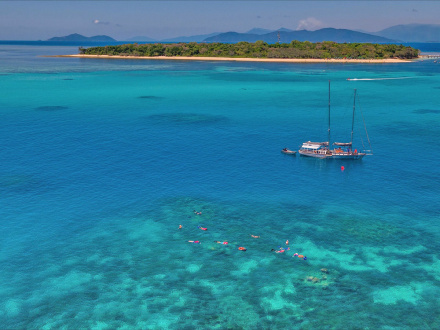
98	22
310	24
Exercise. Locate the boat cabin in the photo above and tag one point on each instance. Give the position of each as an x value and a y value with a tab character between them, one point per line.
318	149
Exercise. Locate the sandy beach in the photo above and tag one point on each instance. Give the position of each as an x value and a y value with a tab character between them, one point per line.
282	60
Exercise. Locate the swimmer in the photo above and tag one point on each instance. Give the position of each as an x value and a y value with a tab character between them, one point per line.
287	242
221	242
305	258
196	242
201	228
253	236
281	249
296	254
180	226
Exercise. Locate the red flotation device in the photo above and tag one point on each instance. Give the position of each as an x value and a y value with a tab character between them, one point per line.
242	248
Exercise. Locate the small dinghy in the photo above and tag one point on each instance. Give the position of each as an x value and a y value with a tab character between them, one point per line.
288	152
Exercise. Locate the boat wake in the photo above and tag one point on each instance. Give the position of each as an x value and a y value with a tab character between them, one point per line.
351	79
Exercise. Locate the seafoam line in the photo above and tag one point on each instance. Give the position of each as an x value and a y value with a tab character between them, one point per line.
351	79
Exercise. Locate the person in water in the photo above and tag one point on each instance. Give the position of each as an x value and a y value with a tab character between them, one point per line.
281	249
180	226
201	228
255	236
221	242
196	242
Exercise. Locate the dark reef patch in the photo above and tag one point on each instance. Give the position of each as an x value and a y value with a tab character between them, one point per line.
51	108
425	111
20	183
187	118
68	79
150	97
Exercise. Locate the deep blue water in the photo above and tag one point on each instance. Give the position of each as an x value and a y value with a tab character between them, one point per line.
102	160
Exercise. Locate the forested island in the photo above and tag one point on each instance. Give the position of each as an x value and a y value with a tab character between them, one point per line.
260	50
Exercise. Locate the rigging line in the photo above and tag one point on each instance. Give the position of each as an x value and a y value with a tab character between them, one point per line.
362	140
363	120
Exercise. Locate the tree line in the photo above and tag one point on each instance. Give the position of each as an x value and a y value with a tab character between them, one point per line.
261	49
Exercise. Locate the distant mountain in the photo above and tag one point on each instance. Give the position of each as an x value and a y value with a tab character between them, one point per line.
196	38
283	30
79	37
266	31
327	34
141	38
412	33
258	31
235	37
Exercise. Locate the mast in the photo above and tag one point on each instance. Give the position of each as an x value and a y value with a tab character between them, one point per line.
352	121
329	114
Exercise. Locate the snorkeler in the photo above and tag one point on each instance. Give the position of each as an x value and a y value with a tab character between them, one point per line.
281	249
201	228
221	242
196	242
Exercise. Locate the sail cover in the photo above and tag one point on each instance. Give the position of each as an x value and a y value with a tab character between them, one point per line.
343	144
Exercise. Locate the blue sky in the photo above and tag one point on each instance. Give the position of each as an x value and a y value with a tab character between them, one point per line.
35	20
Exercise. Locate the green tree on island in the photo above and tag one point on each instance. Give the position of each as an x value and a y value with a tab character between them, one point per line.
260	49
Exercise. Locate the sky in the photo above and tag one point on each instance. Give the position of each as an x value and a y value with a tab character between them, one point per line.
41	20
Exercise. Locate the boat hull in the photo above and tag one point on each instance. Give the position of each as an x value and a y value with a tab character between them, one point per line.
354	156
288	152
348	156
313	155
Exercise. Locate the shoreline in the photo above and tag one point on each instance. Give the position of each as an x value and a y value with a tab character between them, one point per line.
240	59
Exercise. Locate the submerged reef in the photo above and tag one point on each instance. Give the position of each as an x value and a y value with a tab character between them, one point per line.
51	108
187	118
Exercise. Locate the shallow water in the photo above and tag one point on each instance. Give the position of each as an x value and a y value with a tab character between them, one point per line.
103	160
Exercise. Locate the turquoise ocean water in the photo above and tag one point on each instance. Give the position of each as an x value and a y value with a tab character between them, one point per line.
102	160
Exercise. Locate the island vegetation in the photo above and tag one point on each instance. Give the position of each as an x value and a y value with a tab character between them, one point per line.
260	49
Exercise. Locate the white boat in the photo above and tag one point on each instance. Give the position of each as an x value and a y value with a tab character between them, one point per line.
341	150
288	151
315	149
